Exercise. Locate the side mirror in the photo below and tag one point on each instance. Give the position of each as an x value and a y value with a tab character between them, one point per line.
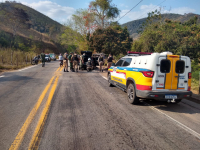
113	64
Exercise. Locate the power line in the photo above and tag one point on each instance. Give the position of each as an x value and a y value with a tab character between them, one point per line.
131	9
152	9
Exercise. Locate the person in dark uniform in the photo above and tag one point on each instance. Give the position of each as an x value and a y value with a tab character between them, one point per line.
70	61
75	62
101	62
110	59
43	58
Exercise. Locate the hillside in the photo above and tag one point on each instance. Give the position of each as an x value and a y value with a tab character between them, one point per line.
28	25
133	26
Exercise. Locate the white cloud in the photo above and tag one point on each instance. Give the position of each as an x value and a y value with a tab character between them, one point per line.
181	10
52	10
145	9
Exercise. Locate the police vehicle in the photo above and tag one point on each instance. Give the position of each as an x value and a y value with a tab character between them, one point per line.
160	76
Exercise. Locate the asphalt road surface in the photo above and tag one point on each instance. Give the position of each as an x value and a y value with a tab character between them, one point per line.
48	109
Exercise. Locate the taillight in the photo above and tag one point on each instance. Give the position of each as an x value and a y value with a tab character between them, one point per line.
189	75
189	88
148	73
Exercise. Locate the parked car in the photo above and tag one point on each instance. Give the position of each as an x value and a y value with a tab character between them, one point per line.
47	58
88	54
52	56
159	76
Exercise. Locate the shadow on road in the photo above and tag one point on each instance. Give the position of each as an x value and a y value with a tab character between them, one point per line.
171	107
14	78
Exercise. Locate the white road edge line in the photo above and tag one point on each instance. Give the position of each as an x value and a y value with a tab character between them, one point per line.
104	78
177	122
26	68
2	76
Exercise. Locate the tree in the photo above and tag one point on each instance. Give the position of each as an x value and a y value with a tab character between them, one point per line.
176	37
114	40
102	12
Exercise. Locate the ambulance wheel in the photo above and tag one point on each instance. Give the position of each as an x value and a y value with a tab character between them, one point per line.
109	81
177	101
132	98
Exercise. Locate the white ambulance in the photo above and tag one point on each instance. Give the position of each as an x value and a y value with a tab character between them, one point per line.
160	76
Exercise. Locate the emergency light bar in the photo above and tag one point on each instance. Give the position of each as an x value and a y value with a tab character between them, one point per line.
139	53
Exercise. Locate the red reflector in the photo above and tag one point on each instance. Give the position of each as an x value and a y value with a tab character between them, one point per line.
148	73
189	88
189	75
143	87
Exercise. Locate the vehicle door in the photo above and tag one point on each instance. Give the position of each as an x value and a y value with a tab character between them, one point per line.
124	68
171	74
115	75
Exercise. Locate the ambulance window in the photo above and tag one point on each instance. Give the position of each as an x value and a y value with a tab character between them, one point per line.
165	66
119	63
180	66
127	62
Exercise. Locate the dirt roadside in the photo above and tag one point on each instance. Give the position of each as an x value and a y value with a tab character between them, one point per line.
195	97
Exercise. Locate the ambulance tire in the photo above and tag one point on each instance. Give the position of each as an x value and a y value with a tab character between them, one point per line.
177	101
109	81
132	98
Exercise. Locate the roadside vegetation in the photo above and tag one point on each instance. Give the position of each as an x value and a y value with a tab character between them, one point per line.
174	36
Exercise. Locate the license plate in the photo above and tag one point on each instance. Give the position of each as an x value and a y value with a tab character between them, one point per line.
170	96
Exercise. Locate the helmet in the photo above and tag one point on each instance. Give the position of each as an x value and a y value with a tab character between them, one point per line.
89	59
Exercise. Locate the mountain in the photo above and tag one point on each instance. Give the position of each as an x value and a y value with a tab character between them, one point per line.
133	26
27	24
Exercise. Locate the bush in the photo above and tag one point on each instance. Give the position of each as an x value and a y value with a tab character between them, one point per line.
195	66
195	75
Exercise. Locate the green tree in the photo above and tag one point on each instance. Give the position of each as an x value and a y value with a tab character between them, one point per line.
176	37
114	40
104	12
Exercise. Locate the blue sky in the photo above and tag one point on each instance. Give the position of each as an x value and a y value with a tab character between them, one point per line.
61	10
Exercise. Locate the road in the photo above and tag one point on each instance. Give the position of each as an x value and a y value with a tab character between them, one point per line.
48	109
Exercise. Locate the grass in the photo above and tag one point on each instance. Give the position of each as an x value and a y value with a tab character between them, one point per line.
195	86
14	59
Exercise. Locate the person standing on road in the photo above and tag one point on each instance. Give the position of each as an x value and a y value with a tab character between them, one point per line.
70	61
43	58
65	62
82	60
101	62
60	57
75	62
110	59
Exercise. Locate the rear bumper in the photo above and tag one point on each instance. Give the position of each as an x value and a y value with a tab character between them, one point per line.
161	94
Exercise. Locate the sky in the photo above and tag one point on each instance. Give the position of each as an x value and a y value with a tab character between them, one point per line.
62	10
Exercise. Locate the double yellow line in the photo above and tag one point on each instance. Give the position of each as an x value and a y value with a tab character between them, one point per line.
35	138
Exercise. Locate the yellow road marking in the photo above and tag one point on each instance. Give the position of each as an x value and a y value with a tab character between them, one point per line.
58	69
16	143
61	68
36	136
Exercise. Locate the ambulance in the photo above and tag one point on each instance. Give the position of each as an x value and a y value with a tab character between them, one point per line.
159	76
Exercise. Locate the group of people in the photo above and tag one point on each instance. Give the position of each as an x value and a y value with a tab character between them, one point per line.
101	61
75	60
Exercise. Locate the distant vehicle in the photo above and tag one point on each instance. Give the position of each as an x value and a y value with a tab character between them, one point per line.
159	76
52	56
88	54
47	58
35	60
